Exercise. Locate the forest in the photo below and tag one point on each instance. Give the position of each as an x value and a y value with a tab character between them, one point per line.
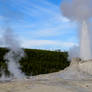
37	62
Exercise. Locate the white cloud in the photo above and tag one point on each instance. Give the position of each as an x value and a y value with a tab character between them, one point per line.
36	8
47	43
57	30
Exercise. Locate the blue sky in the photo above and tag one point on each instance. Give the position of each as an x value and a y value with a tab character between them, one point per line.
39	24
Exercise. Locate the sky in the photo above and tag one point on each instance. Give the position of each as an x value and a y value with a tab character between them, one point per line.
39	24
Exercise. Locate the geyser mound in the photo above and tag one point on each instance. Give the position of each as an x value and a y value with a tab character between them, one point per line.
78	69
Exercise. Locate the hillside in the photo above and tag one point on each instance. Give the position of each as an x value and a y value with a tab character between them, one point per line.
37	62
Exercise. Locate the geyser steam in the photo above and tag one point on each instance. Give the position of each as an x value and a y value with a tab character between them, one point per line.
85	44
10	40
81	11
14	55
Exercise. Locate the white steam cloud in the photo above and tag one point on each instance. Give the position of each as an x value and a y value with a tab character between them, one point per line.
11	41
80	11
14	55
77	9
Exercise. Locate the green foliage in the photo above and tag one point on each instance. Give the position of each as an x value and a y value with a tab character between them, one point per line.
37	62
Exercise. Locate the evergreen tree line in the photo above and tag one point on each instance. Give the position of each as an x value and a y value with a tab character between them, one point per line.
37	62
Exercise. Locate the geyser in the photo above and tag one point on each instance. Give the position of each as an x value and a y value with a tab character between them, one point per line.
81	64
14	55
80	11
11	41
85	44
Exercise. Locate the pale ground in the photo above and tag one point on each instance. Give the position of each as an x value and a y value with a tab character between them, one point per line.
46	83
76	78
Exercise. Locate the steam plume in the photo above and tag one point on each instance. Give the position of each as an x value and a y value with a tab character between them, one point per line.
81	11
14	55
77	9
10	40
